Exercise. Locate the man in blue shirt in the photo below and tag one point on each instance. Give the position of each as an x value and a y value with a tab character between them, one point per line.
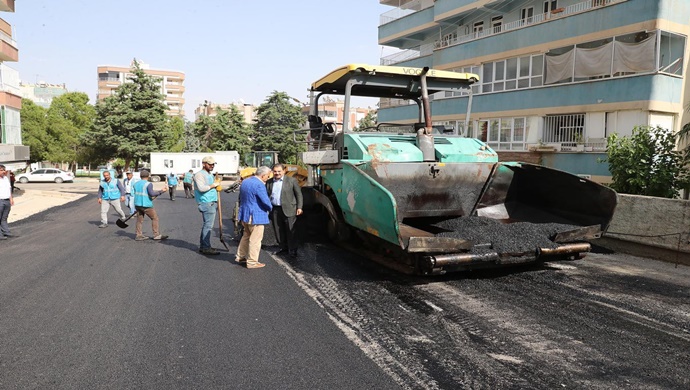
187	183
207	197
143	201
254	207
110	193
172	185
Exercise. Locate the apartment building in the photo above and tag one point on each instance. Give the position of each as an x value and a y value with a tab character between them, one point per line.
171	84
207	108
42	93
12	153
333	111
556	77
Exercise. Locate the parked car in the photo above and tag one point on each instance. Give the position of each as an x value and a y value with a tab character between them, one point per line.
46	174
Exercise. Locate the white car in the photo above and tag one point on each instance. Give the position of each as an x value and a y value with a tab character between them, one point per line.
46	174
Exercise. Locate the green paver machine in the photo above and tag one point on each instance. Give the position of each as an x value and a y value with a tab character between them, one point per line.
403	197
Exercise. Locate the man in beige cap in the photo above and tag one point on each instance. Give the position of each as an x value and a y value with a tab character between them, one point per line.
207	199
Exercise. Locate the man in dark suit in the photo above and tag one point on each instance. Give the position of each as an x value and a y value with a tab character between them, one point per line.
286	198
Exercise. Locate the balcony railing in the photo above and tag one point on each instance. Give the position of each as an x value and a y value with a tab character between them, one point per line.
416	52
409	9
516	25
532	20
8	39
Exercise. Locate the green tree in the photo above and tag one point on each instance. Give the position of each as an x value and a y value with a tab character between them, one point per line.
175	139
276	119
131	123
69	117
191	141
205	130
235	133
224	131
35	130
647	163
368	122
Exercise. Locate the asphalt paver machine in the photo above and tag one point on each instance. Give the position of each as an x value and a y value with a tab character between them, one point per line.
431	201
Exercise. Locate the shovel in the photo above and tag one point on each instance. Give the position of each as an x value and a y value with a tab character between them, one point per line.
220	220
121	223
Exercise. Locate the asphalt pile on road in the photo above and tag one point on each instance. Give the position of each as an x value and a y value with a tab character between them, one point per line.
494	235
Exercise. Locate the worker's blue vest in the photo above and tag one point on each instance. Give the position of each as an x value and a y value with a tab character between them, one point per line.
172	180
110	190
188	177
208	196
141	195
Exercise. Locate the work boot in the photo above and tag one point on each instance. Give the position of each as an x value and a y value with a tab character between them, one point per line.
160	236
209	251
255	265
141	238
103	225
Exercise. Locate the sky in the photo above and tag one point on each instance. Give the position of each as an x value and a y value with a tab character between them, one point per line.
228	49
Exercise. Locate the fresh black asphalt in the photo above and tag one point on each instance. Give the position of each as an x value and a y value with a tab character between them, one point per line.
89	308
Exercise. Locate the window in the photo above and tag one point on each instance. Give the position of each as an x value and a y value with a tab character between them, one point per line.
512	73
39	172
499	75
568	129
487	77
504	133
550	6
168	163
527	14
449	39
478	29
496	23
671	48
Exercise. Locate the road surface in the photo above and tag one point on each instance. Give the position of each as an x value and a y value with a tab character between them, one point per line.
82	307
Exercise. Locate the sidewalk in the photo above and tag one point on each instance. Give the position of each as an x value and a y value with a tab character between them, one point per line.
30	202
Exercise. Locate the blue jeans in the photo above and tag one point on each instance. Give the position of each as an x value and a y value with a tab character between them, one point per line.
4	213
129	202
208	212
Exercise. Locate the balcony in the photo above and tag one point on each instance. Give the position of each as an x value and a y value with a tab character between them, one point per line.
530	21
8	48
454	40
10	100
7	5
407	8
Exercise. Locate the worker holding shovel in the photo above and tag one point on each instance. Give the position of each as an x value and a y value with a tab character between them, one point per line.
143	202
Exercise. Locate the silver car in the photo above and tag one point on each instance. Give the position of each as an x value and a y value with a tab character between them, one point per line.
46	174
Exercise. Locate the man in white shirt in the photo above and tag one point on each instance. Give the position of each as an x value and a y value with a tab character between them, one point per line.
6	202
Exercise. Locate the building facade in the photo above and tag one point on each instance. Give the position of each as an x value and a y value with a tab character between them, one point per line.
42	93
333	111
12	153
171	83
556	76
207	108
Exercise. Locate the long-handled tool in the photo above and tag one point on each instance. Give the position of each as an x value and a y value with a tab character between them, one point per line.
220	219
122	223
